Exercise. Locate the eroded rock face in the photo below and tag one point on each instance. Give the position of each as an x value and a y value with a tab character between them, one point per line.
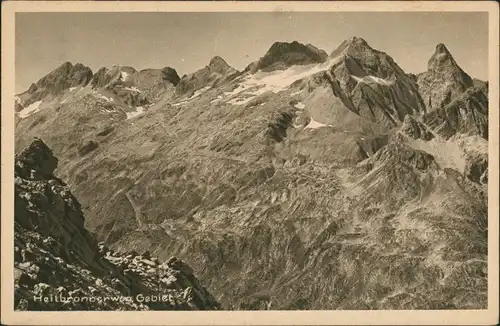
60	266
467	113
415	129
136	88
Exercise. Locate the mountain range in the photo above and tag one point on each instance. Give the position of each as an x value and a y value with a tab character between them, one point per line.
306	181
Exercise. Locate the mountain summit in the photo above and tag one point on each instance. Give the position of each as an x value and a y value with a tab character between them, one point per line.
441	59
352	46
217	71
55	82
443	80
282	55
219	65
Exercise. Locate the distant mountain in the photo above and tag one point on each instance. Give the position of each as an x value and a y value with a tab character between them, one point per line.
216	72
305	181
54	83
57	261
282	55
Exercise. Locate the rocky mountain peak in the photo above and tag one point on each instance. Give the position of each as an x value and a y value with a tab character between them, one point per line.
357	40
66	75
55	82
216	72
217	61
66	66
219	65
353	46
443	80
441	58
282	55
441	48
170	74
37	157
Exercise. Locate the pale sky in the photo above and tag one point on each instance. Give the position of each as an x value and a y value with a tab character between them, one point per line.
187	41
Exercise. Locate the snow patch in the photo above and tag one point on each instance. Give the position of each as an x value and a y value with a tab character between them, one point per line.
109	99
313	124
17	99
358	79
123	75
180	103
138	111
277	81
376	79
300	105
30	109
447	153
216	99
133	89
72	88
380	81
199	92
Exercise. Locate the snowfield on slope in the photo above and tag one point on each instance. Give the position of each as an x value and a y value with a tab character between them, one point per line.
30	109
199	92
138	111
447	153
108	99
376	79
276	81
133	89
313	124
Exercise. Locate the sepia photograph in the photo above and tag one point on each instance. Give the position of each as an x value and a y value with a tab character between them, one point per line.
250	160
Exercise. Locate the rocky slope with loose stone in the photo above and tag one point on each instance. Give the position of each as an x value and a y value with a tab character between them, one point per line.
58	265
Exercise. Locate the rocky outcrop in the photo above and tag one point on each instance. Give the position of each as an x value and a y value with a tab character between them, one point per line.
396	153
443	81
60	266
415	129
282	55
216	72
136	88
101	78
468	114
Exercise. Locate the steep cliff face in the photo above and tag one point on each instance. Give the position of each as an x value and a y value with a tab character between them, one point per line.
60	266
467	113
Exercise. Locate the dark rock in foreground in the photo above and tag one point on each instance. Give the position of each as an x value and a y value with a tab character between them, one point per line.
60	266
